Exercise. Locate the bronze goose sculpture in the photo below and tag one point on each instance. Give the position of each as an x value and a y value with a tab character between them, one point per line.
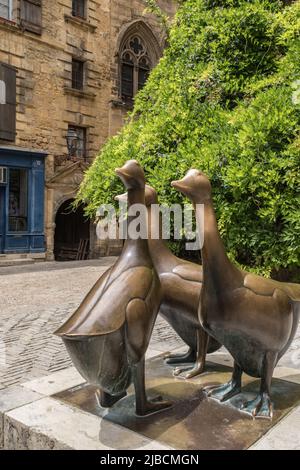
107	337
255	318
181	283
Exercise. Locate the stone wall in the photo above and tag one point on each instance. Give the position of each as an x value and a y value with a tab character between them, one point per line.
46	103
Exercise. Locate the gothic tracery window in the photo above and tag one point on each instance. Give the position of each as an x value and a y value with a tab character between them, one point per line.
135	67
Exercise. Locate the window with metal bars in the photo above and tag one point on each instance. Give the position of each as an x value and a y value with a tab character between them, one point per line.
79	8
77	74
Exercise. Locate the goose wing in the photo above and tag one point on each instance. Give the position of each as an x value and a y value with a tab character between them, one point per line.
104	313
189	272
87	305
262	286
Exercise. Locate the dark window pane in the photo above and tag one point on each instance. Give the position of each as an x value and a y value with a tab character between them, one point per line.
7	102
18	200
127	72
127	58
136	46
127	81
143	75
78	8
77	74
144	63
31	15
79	149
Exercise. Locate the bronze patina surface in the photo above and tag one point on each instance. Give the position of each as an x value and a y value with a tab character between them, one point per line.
194	421
254	318
181	283
108	335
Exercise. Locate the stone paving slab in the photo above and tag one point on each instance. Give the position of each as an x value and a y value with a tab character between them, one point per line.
34	301
56	382
281	372
47	266
288	374
49	424
284	436
12	398
15	396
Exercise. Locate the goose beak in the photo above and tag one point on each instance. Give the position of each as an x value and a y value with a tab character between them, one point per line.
121	197
179	185
121	173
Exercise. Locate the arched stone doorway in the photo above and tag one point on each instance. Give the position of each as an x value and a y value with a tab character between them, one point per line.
72	232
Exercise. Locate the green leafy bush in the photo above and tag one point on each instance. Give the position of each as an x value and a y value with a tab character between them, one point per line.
221	100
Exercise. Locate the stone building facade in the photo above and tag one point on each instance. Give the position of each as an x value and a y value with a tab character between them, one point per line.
66	68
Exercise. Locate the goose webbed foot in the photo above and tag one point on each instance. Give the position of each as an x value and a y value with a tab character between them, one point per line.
188	372
260	407
152	406
106	400
143	406
230	389
189	356
223	392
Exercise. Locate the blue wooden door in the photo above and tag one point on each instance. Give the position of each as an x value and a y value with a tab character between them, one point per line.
2	218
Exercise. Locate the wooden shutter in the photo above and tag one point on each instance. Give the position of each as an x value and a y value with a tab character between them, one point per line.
31	15
8	106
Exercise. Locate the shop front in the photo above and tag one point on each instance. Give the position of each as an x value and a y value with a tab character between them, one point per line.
22	175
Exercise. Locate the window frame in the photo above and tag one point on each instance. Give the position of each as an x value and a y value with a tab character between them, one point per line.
84	17
8	75
83	64
145	70
84	130
28	214
130	65
10	10
31	16
136	58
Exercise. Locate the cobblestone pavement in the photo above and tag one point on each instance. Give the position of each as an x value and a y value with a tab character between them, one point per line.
36	299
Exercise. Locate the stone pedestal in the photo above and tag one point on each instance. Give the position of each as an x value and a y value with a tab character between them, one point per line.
60	412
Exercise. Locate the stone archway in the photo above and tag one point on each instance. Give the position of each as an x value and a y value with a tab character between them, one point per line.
71	226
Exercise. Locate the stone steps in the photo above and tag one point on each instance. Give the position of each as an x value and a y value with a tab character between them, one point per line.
15	262
20	259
